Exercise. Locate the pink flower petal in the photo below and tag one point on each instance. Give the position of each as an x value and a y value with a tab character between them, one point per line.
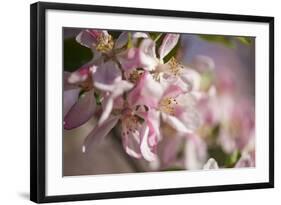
172	91
107	104
121	41
168	43
89	37
66	84
80	75
106	75
148	57
191	78
146	150
195	152
131	137
130	59
169	148
148	47
147	92
70	97
120	87
80	112
175	123
99	132
246	160
131	144
203	63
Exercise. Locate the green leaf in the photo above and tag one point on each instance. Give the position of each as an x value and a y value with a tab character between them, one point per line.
75	55
155	35
115	34
207	79
244	40
98	98
225	40
232	159
130	43
217	153
173	168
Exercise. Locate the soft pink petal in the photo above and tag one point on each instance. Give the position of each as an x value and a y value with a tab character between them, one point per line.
136	35
172	91
107	105
106	75
191	78
89	37
66	84
121	41
146	150
147	92
70	97
99	132
168	43
195	152
153	117
120	87
80	75
245	161
130	59
131	137
80	112
169	148
131	144
147	56
175	123
148	47
203	63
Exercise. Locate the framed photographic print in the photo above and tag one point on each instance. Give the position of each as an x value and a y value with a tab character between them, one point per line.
129	102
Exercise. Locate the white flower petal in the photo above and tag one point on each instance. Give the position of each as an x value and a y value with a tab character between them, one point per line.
175	123
211	164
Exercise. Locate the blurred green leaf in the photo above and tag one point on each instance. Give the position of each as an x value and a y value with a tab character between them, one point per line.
217	153
225	40
244	40
232	159
75	55
130	43
207	79
155	35
173	168
98	98
115	34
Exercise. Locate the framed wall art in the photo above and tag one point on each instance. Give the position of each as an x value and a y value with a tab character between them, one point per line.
129	102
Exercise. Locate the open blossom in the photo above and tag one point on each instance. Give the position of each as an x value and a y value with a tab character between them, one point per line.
168	101
139	132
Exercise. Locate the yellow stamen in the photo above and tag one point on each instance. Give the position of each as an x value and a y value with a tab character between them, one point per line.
175	66
135	76
105	43
167	105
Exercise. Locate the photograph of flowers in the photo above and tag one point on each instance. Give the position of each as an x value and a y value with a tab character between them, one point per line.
138	101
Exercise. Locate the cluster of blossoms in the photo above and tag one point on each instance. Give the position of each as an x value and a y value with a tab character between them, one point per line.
167	111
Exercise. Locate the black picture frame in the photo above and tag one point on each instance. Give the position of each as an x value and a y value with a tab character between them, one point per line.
38	101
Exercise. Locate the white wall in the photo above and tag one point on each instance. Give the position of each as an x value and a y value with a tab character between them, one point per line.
14	109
